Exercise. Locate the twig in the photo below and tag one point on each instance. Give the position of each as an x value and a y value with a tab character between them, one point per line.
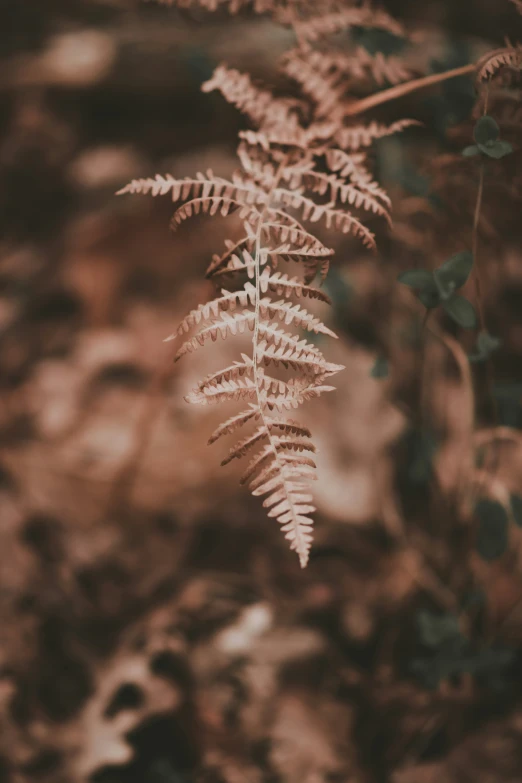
399	90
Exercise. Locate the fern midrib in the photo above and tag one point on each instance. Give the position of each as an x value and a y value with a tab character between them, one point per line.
301	547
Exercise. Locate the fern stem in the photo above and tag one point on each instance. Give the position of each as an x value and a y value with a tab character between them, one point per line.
301	547
490	378
358	107
474	250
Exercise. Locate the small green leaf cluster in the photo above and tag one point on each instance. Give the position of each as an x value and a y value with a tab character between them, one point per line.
421	450
381	368
485	346
493	526
487	140
438	288
508	397
447	653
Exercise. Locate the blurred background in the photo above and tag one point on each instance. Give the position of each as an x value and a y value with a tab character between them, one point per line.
154	626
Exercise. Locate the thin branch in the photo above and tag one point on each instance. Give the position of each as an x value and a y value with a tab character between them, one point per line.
399	90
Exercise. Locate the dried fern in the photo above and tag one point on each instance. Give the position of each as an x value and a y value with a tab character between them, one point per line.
300	165
328	22
489	66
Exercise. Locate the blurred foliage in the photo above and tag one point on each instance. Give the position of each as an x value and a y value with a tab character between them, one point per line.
153	627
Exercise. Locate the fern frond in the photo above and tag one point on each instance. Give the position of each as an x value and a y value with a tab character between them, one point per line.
233	372
283	135
343	221
212	206
295	397
203	185
269	478
493	62
383	70
364	135
223	326
273	334
303	243
215	315
344	192
207	193
209	311
293	314
230	262
352	165
234	422
298	152
229	257
238	389
283	284
290	427
318	78
260	105
336	21
294	437
305	363
280	477
244	445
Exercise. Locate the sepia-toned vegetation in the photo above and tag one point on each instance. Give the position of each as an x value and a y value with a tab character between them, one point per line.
350	171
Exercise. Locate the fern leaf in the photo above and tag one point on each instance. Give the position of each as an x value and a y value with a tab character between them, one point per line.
239	389
330	23
241	448
295	398
289	426
283	284
493	62
287	499
234	422
313	212
364	135
226	324
293	314
344	192
273	334
212	205
305	363
209	311
234	371
258	104
304	244
352	165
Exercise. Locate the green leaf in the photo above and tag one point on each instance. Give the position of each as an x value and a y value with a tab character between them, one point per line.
516	508
455	270
486	345
496	149
446	288
419	279
381	368
430	299
435	630
462	311
471	151
422	448
423	283
509	400
486	130
492	533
